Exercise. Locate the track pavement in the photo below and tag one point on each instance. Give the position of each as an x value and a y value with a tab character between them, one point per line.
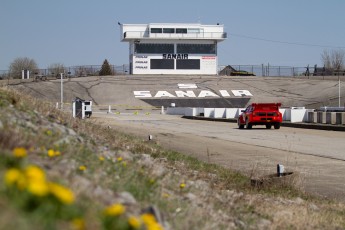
317	155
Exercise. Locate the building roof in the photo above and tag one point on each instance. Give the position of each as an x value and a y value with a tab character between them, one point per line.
181	31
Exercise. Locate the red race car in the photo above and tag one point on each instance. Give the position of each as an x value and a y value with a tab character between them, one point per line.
260	114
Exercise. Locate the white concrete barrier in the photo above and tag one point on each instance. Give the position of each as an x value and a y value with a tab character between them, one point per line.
209	112
297	115
231	113
340	118
190	112
331	118
312	117
176	110
287	115
219	113
284	113
321	117
294	114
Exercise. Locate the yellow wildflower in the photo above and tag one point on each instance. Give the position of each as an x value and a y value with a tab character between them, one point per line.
63	194
150	222
12	176
34	173
15	177
134	222
82	168
119	159
114	210
36	181
38	188
19	152
182	185
78	224
51	153
101	158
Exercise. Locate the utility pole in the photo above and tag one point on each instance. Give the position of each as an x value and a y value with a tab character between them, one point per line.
339	90
61	75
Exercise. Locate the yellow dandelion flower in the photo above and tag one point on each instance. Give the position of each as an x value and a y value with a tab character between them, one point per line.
62	193
82	168
150	222
114	210
34	173
134	222
78	224
148	218
119	159
16	177
182	185
51	153
12	176
101	158
38	188
19	152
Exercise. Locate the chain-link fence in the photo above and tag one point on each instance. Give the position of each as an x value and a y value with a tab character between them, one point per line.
257	70
277	71
73	71
267	70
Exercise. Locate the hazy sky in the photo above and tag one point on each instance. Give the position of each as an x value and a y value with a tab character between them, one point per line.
85	32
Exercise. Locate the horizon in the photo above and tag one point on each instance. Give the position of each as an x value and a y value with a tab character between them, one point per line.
72	33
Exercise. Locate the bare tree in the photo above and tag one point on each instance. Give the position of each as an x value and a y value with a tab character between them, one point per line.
333	59
56	68
22	63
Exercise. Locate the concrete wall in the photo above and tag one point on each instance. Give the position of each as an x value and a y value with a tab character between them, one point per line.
331	118
312	117
219	113
340	118
321	117
231	113
292	115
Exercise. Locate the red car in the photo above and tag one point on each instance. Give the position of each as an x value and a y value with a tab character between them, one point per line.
260	114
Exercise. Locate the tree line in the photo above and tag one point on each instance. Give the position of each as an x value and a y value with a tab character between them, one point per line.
333	60
25	63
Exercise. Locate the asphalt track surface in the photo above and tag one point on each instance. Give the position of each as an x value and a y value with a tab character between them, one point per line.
317	155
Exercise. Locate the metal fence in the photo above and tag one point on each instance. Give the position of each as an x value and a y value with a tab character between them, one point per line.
257	70
268	70
73	71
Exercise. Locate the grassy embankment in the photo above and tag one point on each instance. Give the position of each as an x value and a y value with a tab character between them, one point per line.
64	173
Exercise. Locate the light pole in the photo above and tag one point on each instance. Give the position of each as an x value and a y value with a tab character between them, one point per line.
61	75
339	90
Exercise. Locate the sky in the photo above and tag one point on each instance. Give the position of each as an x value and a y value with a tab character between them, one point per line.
85	32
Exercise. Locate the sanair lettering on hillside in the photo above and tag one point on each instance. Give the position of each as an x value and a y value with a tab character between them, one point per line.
190	93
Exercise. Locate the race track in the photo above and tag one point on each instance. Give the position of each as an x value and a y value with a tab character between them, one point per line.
317	155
